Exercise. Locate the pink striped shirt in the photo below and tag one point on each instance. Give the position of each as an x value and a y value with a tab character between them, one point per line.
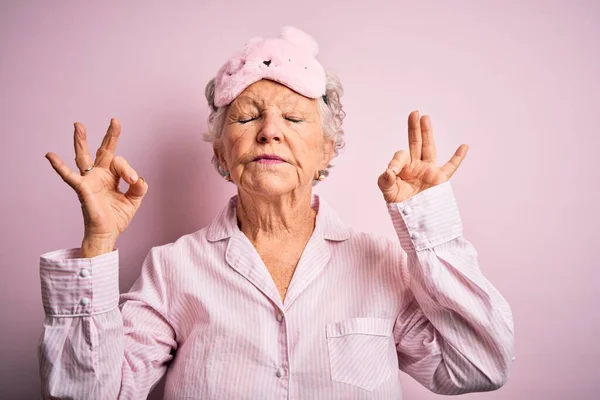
205	310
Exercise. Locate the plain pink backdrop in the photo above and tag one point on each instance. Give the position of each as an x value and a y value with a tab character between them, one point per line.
516	80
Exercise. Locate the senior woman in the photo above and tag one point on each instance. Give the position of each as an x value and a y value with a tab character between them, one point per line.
277	298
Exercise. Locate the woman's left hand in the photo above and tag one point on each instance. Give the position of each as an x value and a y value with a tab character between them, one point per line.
411	173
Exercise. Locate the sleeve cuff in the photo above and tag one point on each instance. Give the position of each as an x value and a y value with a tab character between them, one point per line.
74	286
427	219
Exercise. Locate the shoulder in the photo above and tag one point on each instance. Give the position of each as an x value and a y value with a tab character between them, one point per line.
195	245
333	228
187	246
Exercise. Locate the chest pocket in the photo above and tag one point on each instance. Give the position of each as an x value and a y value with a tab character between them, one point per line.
361	351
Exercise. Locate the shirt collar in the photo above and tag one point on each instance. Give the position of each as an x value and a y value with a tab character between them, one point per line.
328	224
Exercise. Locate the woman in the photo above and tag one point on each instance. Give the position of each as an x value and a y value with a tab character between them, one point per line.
277	298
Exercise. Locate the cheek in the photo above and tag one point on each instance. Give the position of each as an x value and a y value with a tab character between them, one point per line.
309	150
234	145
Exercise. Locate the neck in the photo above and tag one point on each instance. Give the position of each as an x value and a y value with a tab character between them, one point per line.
275	217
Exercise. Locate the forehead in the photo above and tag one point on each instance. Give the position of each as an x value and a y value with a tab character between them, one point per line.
265	92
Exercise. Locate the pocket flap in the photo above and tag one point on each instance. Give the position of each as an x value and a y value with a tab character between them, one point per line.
365	326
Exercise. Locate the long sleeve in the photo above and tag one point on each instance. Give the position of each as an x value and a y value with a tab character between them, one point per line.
455	333
96	344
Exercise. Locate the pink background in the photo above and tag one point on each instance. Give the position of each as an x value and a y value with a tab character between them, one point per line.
517	81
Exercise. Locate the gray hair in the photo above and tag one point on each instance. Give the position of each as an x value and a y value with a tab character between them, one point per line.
331	112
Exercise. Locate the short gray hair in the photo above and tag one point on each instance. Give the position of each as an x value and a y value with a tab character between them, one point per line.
331	112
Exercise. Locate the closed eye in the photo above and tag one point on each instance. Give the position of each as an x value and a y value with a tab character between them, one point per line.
294	120
245	121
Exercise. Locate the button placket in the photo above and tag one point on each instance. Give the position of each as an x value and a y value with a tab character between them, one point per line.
281	372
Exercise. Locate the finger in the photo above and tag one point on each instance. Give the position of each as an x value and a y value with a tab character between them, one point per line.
109	143
137	191
428	148
120	167
83	158
73	179
451	166
401	159
414	135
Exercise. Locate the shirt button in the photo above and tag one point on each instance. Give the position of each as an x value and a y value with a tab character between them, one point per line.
84	273
415	236
406	210
279	372
84	301
279	317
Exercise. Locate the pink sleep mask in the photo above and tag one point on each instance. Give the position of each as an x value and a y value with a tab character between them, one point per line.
289	60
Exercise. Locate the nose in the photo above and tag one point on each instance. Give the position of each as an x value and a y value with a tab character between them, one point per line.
270	131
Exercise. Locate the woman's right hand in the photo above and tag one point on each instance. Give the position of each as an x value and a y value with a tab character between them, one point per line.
106	210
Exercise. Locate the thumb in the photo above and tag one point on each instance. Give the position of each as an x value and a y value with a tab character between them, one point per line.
137	190
387	181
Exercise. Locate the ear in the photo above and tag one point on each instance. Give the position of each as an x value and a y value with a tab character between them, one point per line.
219	155
328	153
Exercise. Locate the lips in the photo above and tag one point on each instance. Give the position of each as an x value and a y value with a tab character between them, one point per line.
268	157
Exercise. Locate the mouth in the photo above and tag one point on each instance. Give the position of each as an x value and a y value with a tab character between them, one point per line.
268	159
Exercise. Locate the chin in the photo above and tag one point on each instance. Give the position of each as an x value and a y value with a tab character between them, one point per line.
271	186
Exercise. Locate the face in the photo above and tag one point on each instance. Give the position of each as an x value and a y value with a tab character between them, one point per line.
272	140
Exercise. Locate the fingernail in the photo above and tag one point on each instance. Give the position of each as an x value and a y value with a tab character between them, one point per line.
134	177
394	169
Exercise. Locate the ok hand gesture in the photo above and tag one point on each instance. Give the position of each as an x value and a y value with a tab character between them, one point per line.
410	173
106	210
